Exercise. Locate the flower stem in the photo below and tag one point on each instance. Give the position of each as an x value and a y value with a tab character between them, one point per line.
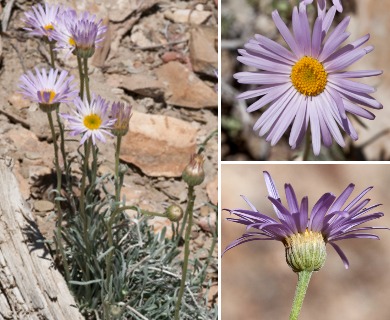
86	79
81	75
57	203
117	178
189	212
51	47
300	292
83	214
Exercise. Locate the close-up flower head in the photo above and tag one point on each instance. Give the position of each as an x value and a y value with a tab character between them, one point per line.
90	119
305	235
122	113
41	21
307	85
48	89
79	34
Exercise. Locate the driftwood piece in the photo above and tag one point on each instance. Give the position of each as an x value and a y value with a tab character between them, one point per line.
30	286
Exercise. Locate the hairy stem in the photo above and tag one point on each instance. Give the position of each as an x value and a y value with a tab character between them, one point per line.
86	79
83	213
189	211
81	75
300	292
51	49
57	203
117	179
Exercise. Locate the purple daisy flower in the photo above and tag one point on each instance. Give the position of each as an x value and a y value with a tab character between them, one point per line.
48	89
307	85
41	21
79	34
330	220
122	113
90	119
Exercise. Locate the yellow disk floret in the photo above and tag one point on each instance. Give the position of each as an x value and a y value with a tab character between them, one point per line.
92	121
47	96
308	76
48	27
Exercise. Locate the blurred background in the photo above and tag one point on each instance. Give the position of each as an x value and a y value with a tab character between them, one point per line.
241	20
256	280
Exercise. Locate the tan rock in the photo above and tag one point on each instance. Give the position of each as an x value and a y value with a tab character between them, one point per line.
187	16
158	145
141	84
184	88
212	190
43	205
203	53
17	100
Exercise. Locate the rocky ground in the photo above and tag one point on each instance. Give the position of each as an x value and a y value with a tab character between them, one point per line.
240	21
160	57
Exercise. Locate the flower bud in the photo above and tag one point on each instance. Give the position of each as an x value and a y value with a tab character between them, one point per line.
193	173
122	113
305	252
174	212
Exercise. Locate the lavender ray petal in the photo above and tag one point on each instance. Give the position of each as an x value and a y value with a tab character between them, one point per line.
341	254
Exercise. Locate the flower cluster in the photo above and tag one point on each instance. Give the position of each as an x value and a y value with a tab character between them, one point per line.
92	119
79	34
308	85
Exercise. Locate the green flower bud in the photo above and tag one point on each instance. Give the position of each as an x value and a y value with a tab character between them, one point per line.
193	173
86	52
48	107
305	252
174	212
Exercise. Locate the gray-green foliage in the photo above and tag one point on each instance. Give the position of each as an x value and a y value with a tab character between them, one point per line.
146	269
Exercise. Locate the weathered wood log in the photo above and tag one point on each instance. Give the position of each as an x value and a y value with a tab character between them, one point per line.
30	286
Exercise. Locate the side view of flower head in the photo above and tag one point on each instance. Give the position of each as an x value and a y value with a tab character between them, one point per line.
90	119
308	84
122	113
48	89
79	34
331	220
41	21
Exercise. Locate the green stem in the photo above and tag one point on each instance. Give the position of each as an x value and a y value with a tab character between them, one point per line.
57	202
83	214
81	75
180	233
203	144
117	179
94	164
189	210
62	141
300	292
306	152
51	47
86	79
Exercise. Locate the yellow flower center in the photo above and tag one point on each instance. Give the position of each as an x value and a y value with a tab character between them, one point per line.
48	27
308	76
92	121
72	42
47	96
